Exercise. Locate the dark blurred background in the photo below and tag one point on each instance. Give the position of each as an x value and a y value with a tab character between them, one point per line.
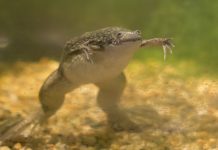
30	30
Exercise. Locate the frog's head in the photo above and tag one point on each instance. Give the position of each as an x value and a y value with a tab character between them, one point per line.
121	36
115	36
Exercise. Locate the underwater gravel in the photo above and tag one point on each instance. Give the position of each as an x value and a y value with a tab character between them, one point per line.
174	112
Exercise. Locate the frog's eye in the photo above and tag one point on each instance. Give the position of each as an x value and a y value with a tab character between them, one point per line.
119	34
138	32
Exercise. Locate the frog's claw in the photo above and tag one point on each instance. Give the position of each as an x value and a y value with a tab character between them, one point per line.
167	46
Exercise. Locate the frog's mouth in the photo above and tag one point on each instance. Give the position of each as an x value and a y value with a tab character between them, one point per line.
131	39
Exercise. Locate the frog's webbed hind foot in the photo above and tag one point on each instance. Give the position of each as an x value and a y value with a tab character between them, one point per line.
13	127
8	123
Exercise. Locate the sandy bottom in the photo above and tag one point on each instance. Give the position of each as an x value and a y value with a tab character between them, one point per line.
173	111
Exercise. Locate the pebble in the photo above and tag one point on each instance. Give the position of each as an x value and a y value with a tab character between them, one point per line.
4	148
83	148
17	146
61	146
89	140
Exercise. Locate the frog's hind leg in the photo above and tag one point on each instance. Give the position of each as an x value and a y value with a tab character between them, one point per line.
108	99
51	96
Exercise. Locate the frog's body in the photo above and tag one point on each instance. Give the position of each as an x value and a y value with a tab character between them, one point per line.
107	59
97	57
106	65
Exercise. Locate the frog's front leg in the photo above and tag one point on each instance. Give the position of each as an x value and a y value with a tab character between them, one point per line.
51	97
89	49
166	43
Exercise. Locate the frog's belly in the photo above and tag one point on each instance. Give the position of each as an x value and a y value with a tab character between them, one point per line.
106	65
97	72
